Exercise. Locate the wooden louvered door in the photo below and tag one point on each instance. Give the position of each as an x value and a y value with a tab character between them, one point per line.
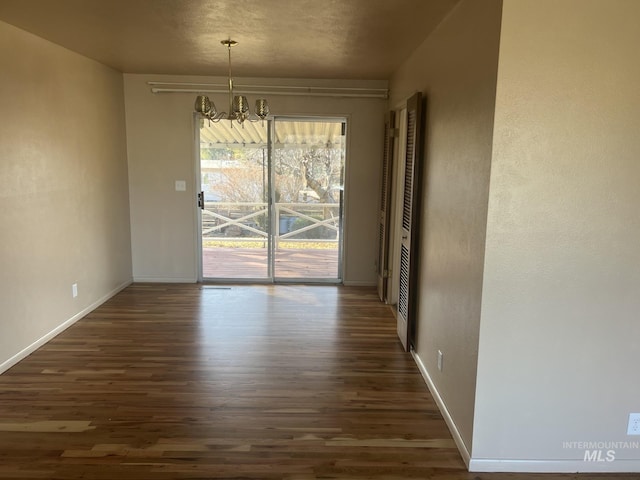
385	206
410	217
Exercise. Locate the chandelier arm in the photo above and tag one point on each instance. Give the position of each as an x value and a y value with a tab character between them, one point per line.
219	116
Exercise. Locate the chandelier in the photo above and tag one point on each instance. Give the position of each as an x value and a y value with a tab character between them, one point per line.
238	104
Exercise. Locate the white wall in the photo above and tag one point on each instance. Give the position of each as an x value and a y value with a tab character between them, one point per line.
455	68
160	136
64	206
560	336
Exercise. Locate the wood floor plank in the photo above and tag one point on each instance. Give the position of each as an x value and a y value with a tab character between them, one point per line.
241	382
51	426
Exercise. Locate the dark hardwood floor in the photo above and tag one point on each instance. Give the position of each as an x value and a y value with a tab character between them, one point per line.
239	382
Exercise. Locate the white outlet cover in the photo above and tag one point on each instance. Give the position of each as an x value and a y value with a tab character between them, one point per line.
634	424
440	360
181	185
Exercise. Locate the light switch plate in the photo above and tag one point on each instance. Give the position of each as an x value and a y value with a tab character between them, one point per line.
181	185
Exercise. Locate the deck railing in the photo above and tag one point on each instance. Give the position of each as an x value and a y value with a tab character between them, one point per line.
248	222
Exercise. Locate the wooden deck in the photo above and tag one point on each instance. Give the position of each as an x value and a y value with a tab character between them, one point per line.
246	263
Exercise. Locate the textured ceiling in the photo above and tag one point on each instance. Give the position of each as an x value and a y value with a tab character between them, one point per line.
343	39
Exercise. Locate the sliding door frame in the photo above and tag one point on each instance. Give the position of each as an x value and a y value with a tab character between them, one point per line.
271	277
341	210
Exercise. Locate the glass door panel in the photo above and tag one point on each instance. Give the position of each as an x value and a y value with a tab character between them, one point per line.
308	158
234	177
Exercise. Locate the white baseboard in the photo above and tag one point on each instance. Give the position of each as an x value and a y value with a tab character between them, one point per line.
164	280
464	452
553	466
350	283
7	364
482	465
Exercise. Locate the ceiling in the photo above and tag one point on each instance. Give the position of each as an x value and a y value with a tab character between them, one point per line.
340	39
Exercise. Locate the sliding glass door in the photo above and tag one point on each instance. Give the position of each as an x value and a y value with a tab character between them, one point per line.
271	200
308	169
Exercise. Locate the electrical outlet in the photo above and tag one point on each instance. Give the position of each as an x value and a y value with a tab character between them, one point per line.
439	360
74	290
634	424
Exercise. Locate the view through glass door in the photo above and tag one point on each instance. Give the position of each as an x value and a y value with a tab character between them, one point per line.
272	200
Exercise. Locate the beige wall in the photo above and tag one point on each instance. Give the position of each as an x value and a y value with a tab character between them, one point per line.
64	206
160	132
559	341
455	68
